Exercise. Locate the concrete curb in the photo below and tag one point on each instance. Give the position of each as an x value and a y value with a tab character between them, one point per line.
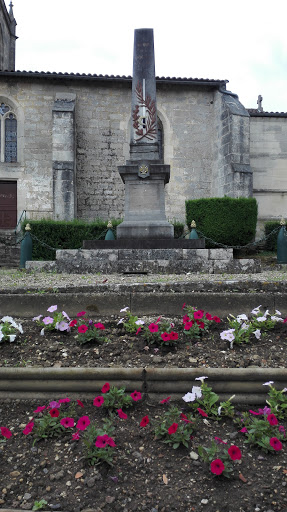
154	383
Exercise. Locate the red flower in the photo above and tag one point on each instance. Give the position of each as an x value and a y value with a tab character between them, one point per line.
80	403
82	328
216	319
144	421
122	414
139	329
158	319
165	400
153	327
83	423
219	441
102	441
67	422
217	467
200	324
173	336
186	319
276	444
197	315
54	413
99	326
98	401
188	325
272	419
29	427
73	323
234	452
106	388
183	306
203	413
165	336
244	430
254	412
208	316
64	400
82	313
173	428
136	395
6	432
40	409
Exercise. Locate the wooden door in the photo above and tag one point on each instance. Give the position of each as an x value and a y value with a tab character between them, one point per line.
8	204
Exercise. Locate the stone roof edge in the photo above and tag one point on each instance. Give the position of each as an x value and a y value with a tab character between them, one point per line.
109	78
255	113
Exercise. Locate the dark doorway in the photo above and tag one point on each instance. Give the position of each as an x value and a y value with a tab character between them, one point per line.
8	204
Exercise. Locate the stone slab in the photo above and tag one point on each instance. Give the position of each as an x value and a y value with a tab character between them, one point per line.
139	243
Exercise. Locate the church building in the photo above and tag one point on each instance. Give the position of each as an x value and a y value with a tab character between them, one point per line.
63	136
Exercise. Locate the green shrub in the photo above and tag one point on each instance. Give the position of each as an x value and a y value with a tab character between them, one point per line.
225	220
271	242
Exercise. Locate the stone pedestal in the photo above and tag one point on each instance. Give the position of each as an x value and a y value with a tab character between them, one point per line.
144	201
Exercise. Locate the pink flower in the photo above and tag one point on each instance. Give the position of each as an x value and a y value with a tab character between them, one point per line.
144	422
40	409
216	319
203	413
64	400
271	418
76	436
188	325
6	432
183	306
54	413
234	452
80	403
82	313
185	319
51	309
73	323
173	336
165	400
173	428
219	441
98	401
200	324
47	320
82	328
197	315
67	422
122	414
99	326
83	423
254	412
106	388
153	328
158	319
136	395
29	427
139	329
103	441
275	443
208	316
217	467
54	404
165	336
244	430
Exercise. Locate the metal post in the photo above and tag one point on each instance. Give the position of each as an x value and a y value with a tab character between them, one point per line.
109	235
193	234
26	247
282	243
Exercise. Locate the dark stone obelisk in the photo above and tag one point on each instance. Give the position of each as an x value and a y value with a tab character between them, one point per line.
144	175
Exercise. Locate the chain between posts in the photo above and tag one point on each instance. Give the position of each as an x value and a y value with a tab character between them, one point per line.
57	248
250	244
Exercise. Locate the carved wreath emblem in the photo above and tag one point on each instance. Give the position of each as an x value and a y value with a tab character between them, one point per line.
145	126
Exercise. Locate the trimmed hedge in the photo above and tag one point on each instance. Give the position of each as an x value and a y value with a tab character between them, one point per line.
271	242
225	220
70	235
63	235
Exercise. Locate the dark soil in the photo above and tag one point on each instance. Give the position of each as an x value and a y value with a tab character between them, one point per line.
56	348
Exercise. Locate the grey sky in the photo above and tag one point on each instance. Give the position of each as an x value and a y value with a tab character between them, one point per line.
244	42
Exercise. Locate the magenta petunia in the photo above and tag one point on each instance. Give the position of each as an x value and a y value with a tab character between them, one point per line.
144	422
188	325
153	328
271	418
173	336
185	319
73	323
216	319
54	413
98	401
218	440
28	429
99	326
203	413
217	467
276	444
165	400
197	315
208	316
6	432
234	452
80	403
136	395
122	414
81	313
82	329
165	336
64	400
106	387
67	422
200	324
103	441
83	423
173	428
76	436
40	409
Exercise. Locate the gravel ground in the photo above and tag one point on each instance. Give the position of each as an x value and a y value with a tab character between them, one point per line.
13	278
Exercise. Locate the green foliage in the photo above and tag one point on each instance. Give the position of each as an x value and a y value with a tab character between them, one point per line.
160	333
277	401
178	228
225	220
92	453
218	451
38	505
63	235
116	398
184	427
129	322
9	329
208	401
92	334
271	242
260	431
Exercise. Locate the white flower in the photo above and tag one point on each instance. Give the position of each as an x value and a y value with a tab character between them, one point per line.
276	319
11	337
65	315
267	312
37	318
120	321
241	317
51	309
124	309
7	319
244	326
255	311
231	344
219	410
261	319
1	335
277	312
189	397
20	328
42	332
284	390
227	335
257	333
269	383
201	378
196	390
139	322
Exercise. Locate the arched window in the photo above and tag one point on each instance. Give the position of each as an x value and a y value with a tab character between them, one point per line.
8	134
160	139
